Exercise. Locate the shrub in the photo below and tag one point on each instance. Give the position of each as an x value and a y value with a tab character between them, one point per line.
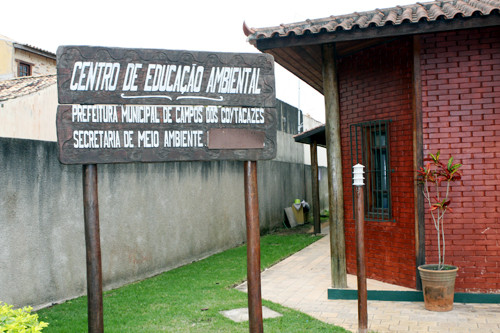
20	320
432	175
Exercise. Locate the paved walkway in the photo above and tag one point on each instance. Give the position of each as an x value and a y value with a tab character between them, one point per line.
302	280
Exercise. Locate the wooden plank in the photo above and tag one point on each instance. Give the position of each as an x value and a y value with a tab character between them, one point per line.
313	65
293	62
93	134
294	67
102	75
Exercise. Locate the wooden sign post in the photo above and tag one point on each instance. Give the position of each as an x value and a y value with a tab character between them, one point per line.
147	105
93	245
253	248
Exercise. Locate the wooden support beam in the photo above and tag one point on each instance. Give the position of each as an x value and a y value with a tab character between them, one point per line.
93	246
334	158
315	186
253	247
418	157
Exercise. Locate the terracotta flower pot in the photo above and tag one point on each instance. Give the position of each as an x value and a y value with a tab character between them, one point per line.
438	287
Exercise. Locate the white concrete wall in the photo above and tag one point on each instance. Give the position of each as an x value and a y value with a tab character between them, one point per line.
310	123
6	58
31	116
153	217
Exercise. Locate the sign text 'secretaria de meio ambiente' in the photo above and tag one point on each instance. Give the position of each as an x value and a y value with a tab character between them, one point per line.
148	105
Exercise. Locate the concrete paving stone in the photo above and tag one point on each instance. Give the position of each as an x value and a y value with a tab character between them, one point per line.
301	282
399	328
241	314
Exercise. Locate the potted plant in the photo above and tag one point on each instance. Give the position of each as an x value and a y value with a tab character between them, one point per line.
438	280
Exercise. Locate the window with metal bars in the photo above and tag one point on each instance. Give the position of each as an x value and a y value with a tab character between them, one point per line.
370	147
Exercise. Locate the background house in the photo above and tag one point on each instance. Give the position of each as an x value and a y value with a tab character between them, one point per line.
18	60
28	108
400	83
28	94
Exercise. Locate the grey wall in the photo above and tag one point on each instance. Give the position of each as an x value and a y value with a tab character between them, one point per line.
153	217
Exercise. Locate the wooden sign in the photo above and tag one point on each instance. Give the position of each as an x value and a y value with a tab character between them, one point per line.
137	105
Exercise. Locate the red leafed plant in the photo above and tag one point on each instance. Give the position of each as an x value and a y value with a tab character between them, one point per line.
438	176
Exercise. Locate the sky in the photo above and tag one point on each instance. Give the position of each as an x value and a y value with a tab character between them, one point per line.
197	25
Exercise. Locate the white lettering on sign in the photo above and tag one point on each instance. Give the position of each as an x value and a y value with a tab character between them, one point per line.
130	137
239	115
234	80
167	114
148	139
89	75
140	114
94	113
130	77
183	139
173	78
104	76
211	115
189	114
96	139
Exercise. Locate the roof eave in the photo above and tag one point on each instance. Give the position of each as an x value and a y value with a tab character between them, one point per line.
35	50
424	27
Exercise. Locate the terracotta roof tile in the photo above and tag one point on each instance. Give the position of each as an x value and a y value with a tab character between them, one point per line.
419	12
10	89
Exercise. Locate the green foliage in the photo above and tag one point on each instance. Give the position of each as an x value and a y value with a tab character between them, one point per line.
433	175
20	320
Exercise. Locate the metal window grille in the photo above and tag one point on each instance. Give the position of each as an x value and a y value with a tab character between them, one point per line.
370	147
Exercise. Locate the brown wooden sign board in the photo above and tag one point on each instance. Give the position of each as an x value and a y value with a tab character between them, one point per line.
147	105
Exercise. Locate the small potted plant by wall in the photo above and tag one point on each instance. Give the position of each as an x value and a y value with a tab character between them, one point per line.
438	280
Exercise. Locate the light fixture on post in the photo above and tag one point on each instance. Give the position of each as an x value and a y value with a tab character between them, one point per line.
358	175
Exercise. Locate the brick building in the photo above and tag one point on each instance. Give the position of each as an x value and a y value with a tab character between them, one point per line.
400	83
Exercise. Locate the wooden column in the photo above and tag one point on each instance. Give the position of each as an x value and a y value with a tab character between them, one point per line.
253	247
93	246
418	157
315	186
334	158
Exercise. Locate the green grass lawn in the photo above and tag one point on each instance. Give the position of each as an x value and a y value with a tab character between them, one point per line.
189	298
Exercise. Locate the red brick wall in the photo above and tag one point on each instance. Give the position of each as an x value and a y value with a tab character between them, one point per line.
376	84
461	112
